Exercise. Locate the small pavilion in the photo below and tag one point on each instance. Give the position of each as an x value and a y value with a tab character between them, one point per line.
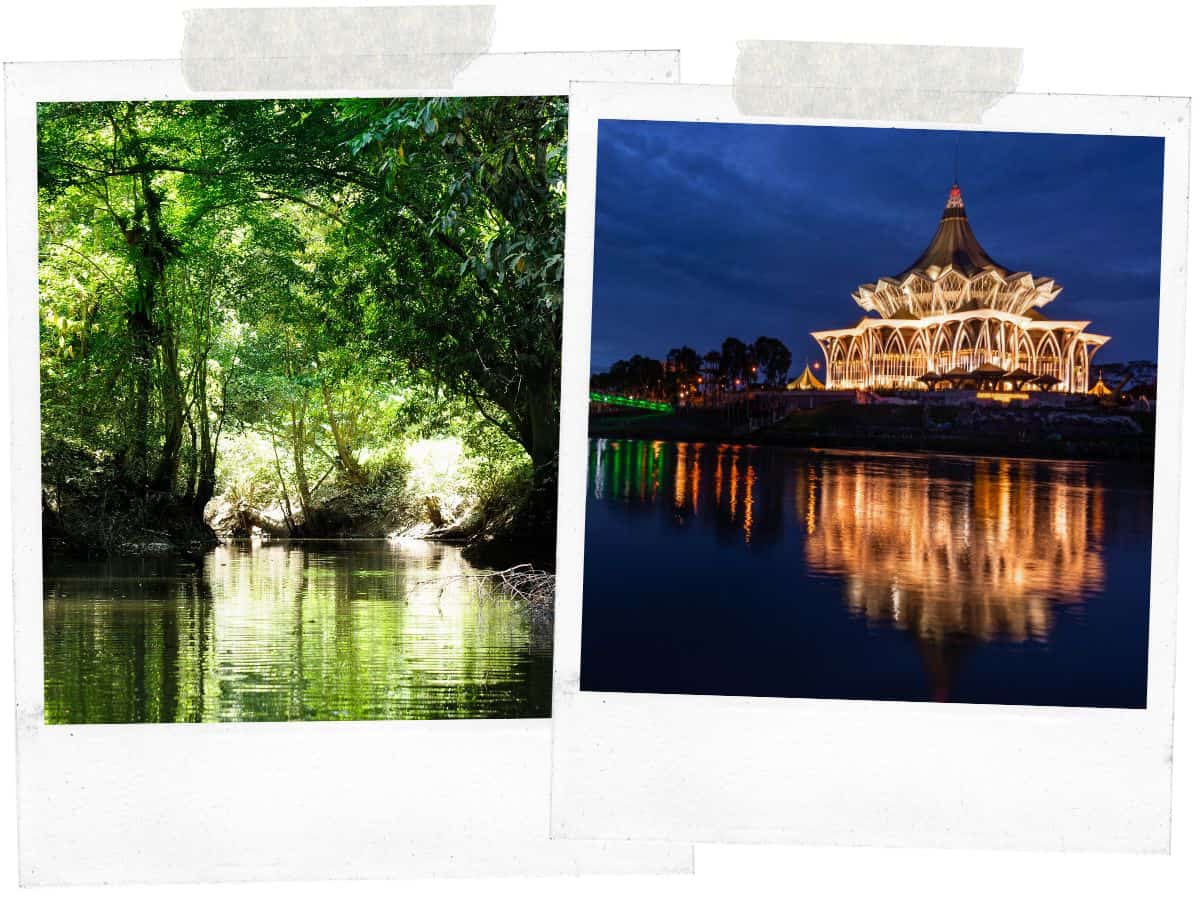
806	382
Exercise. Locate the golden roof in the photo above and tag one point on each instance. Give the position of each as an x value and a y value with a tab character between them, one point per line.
806	382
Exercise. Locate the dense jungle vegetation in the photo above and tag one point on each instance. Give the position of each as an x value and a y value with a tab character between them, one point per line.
307	317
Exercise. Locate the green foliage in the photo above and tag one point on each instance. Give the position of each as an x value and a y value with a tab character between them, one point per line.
245	474
275	300
482	185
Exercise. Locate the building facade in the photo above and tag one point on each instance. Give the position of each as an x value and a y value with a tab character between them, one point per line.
957	319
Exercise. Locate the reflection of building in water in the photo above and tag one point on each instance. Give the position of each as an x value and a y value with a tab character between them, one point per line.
931	553
629	469
721	481
949	561
687	478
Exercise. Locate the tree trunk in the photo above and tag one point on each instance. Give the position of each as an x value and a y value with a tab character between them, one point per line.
173	415
189	476
151	248
542	429
141	335
528	534
346	459
541	441
206	482
298	443
273	527
284	497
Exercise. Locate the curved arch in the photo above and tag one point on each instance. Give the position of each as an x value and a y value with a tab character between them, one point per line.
1025	354
918	341
1049	337
1005	333
941	352
1080	364
837	361
918	364
1049	357
894	357
856	361
964	342
983	342
913	355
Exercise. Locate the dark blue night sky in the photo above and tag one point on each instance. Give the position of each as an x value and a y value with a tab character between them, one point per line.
706	230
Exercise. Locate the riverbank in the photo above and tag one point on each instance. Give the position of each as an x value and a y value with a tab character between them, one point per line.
511	523
90	526
1085	433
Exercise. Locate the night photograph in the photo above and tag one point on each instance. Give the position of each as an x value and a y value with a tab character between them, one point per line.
872	413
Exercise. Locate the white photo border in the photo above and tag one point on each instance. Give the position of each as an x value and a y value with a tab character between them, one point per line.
280	801
755	769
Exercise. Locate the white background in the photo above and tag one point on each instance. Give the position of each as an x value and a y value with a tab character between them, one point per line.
1145	48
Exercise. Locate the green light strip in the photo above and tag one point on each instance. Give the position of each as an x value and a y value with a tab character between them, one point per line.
629	401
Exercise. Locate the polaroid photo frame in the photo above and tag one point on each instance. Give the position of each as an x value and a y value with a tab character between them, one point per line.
213	802
711	768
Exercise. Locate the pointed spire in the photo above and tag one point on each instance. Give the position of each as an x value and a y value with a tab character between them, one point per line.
954	244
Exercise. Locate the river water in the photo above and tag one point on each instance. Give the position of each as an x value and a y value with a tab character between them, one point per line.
314	630
755	571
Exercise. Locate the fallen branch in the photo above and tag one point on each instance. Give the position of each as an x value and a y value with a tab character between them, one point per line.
523	582
529	584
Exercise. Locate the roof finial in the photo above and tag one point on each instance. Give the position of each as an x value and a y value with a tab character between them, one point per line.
954	201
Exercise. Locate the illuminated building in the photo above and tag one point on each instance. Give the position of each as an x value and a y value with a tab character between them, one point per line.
806	382
957	313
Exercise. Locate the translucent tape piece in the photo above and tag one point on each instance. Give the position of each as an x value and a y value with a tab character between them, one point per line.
872	81
304	49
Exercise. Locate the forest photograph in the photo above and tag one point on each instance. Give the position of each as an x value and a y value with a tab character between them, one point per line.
299	377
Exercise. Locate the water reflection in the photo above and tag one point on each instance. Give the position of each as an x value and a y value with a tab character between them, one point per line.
986	557
300	631
980	558
950	553
644	471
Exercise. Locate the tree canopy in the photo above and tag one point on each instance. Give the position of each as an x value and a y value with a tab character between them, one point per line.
322	278
736	366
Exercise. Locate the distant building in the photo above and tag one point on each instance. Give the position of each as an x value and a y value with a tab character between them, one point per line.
957	313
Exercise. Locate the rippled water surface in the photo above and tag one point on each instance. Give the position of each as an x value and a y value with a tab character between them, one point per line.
289	631
720	569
